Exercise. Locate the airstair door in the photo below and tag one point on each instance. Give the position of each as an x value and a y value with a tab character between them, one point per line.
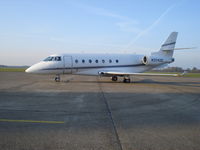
68	64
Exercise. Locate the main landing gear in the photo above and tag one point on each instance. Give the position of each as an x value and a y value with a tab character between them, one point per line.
57	78
126	79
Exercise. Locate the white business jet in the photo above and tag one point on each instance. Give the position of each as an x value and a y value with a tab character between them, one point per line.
108	65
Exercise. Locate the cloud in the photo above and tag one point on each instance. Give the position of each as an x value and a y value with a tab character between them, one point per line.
145	31
128	27
124	23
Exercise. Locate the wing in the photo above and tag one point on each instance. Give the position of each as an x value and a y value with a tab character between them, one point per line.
137	74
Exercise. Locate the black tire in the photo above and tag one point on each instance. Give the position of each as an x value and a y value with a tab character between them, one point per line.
57	79
127	80
114	78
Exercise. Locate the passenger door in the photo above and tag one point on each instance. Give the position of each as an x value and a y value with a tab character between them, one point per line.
68	64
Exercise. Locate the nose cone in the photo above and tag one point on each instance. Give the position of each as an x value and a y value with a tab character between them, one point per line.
36	69
28	70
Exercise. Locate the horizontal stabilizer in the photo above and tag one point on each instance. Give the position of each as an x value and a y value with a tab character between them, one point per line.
180	48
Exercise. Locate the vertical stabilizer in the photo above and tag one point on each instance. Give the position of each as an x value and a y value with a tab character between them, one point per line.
170	42
167	49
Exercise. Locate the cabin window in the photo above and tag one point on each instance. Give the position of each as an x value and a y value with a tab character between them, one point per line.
117	60
96	61
103	61
76	61
110	61
83	61
90	61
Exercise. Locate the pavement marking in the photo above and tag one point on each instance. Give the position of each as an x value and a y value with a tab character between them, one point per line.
110	115
32	121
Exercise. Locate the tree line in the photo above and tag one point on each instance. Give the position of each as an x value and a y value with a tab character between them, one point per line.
178	69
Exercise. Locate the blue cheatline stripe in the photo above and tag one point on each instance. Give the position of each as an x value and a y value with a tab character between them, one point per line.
169	44
93	67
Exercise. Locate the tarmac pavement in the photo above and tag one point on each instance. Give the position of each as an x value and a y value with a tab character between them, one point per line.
86	112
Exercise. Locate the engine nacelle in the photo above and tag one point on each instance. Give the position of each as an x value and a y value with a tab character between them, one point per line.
155	60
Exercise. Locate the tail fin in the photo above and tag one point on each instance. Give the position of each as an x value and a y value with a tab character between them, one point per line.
170	42
167	49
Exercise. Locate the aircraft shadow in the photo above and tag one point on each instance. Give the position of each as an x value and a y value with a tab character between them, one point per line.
143	81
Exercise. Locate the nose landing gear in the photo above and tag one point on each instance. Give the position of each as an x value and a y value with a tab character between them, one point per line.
114	78
127	79
57	78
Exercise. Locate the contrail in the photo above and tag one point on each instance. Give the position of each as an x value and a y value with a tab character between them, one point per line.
157	21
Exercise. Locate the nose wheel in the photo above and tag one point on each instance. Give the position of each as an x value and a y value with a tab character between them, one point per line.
114	78
57	78
127	80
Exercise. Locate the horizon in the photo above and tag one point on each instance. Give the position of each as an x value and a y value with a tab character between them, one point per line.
33	30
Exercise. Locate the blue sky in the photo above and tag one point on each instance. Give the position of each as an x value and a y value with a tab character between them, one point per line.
32	30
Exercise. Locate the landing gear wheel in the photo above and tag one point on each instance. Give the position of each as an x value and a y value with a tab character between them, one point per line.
57	78
127	80
114	78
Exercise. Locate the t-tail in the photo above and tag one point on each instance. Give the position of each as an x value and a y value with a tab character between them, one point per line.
167	49
164	55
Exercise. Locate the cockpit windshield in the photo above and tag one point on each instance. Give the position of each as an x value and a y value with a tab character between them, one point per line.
57	58
50	58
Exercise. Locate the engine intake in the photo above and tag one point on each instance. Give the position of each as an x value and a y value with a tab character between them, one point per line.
154	60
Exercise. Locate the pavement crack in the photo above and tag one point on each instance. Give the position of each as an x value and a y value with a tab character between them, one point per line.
19	86
68	80
110	115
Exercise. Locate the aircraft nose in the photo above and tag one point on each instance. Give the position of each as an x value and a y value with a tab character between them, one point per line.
33	69
36	68
28	70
